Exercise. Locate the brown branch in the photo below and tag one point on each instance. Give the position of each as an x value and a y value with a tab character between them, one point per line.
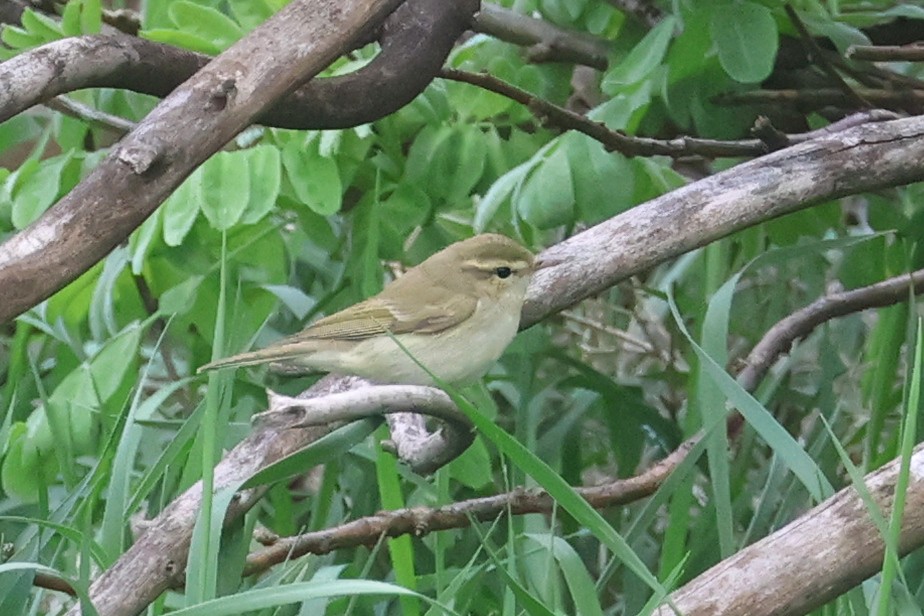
415	40
545	41
405	408
420	521
887	53
814	52
806	100
614	141
53	582
551	115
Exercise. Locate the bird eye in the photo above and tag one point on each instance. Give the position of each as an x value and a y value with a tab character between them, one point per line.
503	272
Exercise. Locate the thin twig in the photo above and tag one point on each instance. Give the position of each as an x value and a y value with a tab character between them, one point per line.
887	53
550	114
545	42
72	108
821	97
780	338
814	52
420	521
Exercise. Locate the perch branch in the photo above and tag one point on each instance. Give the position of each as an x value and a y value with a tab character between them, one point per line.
858	159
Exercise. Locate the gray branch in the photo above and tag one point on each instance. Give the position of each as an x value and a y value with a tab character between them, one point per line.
813	559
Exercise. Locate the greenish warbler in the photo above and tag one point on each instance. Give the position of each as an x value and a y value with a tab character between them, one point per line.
455	313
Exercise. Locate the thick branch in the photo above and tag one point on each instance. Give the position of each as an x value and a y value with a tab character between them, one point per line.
415	41
855	160
780	574
178	135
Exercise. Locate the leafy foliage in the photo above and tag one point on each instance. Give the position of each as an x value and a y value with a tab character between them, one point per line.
103	418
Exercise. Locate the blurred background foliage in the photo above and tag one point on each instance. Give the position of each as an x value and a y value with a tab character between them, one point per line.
103	416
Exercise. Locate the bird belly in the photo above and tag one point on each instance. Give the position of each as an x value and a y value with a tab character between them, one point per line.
452	355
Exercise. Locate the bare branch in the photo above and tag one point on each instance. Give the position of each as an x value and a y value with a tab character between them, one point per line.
808	100
816	54
858	159
405	407
415	41
780	338
545	41
420	521
80	111
551	115
813	559
887	53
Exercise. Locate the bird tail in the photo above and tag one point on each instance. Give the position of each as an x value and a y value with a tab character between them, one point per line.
252	358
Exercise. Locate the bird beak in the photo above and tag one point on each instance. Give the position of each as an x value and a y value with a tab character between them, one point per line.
544	262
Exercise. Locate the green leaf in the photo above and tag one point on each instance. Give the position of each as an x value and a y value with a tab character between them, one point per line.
250	13
181	209
91	17
642	60
263	164
225	189
328	447
70	18
260	598
547	197
315	178
116	362
27	466
580	584
501	190
41	25
746	38
17	38
37	186
473	467
205	22
139	243
186	40
603	181
466	160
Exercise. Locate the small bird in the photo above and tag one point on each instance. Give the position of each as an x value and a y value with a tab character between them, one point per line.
455	313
